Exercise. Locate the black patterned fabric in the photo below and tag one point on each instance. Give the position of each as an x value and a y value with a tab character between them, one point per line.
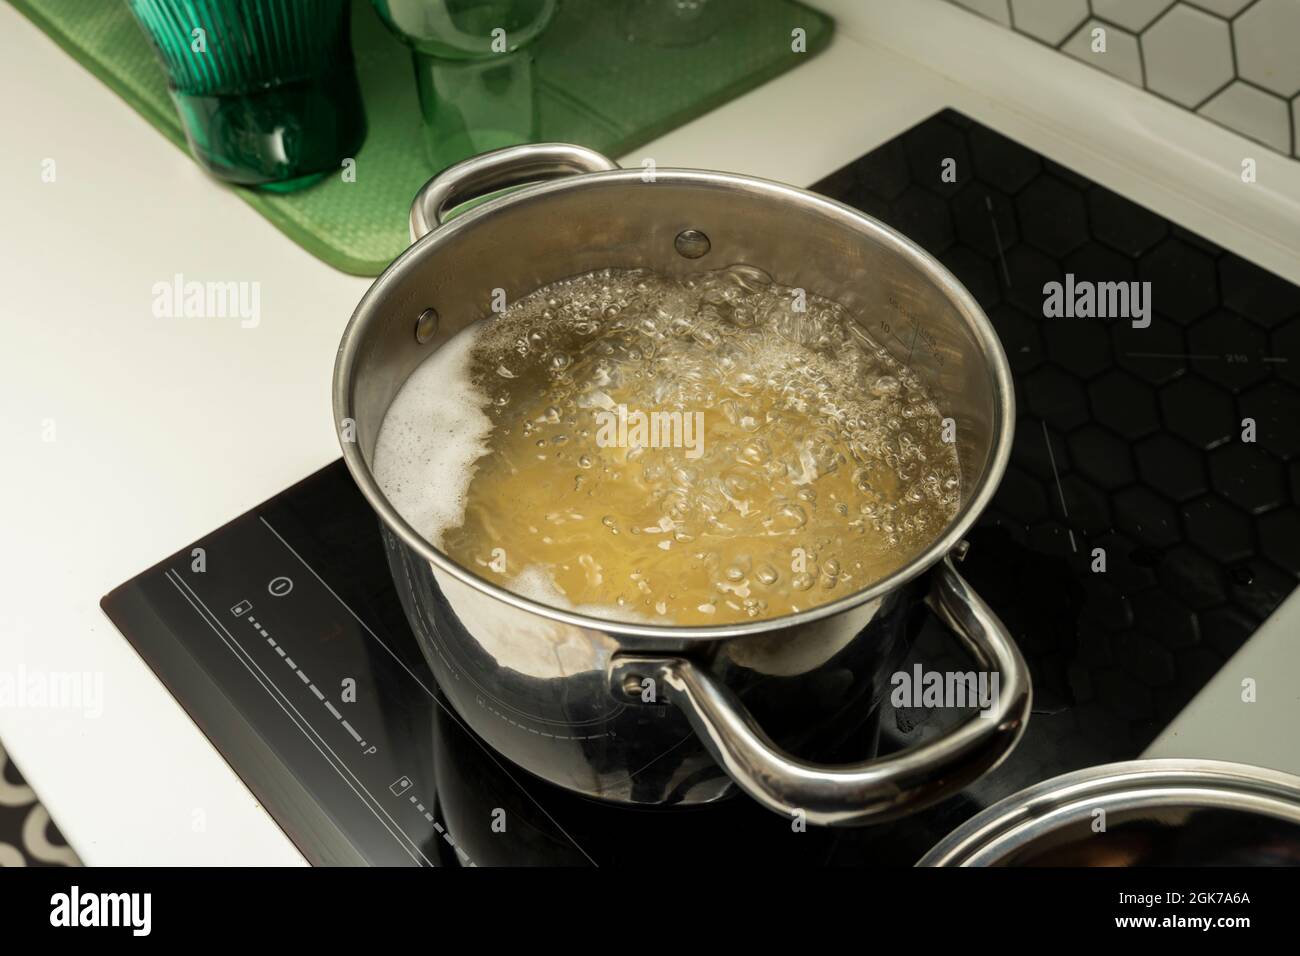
27	835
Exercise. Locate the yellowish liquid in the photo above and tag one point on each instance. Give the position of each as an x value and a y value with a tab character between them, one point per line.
804	463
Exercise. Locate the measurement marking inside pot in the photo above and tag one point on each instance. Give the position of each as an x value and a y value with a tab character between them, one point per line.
1060	492
443	707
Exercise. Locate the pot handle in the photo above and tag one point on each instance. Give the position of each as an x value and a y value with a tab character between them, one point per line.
873	791
498	169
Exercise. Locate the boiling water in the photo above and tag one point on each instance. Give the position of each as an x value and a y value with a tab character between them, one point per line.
688	451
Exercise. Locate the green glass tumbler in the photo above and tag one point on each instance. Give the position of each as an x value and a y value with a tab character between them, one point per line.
473	69
266	89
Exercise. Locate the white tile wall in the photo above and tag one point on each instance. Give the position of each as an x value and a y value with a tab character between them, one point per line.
1254	113
1188	55
1235	62
997	10
1268	46
1119	55
1048	20
1135	15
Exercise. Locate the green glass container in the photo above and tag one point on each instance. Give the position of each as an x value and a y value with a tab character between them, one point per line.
266	89
473	69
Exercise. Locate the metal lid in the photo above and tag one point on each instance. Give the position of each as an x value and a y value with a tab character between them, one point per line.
1137	813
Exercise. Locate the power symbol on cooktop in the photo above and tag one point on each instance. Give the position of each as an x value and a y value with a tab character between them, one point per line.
280	586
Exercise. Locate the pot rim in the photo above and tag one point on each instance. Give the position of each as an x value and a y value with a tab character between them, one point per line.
1022	818
368	311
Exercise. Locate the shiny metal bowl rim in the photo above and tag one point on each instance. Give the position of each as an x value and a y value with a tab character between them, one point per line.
368	310
1018	820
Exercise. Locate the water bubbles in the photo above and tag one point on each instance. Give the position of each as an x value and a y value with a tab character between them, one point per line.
886	386
737	486
706	337
811	436
790	516
756	451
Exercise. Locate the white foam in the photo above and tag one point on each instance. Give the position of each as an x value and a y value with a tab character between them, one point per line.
537	584
431	437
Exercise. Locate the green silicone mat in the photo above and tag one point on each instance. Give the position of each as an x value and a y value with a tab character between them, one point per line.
594	89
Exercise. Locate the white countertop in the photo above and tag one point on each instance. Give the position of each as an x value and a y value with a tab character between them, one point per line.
164	429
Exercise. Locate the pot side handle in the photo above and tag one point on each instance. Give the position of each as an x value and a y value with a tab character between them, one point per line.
499	169
875	790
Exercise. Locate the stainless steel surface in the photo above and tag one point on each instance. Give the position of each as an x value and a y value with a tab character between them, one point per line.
1137	813
874	790
535	681
499	169
691	244
426	326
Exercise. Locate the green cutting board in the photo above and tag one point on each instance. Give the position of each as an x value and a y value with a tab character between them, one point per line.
594	88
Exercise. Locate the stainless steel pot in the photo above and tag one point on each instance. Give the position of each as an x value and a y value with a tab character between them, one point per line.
668	715
1140	813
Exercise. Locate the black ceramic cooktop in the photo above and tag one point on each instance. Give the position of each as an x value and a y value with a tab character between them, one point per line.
290	650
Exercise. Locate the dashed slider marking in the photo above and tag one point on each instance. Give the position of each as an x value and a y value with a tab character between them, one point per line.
445	835
352	731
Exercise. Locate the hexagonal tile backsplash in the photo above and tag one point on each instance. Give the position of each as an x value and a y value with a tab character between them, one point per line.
1235	62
